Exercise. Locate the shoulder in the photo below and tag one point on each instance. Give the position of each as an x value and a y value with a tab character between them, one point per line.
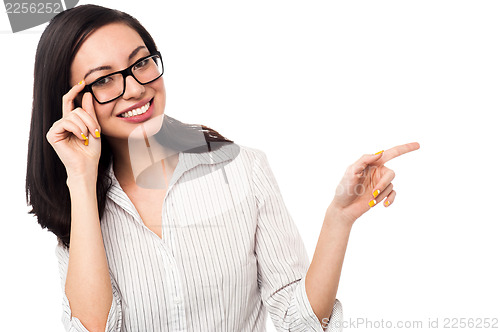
258	163
253	153
240	154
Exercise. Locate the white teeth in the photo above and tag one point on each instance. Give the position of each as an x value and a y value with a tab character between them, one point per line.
137	111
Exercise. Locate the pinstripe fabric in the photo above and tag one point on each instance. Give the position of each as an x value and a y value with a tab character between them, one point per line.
229	253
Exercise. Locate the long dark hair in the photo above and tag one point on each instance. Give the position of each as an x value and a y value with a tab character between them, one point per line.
46	188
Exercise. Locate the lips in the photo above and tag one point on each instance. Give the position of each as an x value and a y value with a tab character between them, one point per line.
136	107
139	118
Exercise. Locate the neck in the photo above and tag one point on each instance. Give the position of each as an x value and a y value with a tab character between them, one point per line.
131	157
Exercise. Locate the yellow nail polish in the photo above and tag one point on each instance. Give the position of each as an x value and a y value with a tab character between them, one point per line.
375	193
86	142
372	203
97	133
387	203
81	82
84	137
379	152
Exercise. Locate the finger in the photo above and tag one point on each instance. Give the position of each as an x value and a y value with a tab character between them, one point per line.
89	123
88	106
68	99
59	128
387	176
381	196
76	118
390	198
396	152
359	166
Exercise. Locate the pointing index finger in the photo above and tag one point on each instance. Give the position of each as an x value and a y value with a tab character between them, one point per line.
397	151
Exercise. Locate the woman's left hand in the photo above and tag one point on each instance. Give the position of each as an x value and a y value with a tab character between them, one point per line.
367	182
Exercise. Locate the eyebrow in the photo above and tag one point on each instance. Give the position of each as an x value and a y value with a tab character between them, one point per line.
132	54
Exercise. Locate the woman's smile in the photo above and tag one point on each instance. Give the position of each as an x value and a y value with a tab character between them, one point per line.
139	112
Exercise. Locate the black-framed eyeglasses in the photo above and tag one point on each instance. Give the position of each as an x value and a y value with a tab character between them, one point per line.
112	86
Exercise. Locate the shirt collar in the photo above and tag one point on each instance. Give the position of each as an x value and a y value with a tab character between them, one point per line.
225	152
187	160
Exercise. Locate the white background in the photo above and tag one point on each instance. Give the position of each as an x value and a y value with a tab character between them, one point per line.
314	84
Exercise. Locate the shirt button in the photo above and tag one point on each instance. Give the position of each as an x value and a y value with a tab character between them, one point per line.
177	300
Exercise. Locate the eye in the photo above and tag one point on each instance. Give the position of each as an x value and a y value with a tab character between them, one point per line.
142	64
103	82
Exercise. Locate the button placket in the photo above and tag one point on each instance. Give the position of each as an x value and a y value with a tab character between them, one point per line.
171	226
167	247
173	285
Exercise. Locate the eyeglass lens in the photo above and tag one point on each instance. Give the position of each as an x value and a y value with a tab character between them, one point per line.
111	87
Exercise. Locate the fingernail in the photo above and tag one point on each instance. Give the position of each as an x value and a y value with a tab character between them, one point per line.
387	203
81	82
372	203
86	139
380	152
375	193
97	133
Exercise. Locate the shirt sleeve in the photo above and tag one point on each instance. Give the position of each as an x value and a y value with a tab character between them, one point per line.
73	324
282	260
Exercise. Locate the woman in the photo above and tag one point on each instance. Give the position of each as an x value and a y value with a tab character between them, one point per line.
169	232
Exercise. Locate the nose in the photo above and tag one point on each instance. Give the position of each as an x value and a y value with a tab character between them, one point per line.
133	89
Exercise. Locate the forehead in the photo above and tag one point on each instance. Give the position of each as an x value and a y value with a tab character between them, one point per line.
108	45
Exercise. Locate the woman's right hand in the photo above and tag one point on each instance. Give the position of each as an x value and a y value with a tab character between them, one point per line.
79	156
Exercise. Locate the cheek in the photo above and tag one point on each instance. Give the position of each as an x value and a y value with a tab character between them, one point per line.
160	95
99	118
103	112
159	86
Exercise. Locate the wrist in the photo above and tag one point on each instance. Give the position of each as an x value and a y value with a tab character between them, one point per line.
337	215
81	179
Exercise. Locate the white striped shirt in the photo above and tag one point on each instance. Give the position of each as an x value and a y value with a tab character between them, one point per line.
229	253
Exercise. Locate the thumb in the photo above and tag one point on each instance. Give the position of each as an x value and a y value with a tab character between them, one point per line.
366	160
